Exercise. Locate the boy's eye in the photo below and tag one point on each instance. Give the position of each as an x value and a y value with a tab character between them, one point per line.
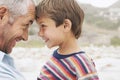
42	25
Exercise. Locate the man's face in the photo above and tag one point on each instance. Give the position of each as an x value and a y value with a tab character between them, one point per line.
18	30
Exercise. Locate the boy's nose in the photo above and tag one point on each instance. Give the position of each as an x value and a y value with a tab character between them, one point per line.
40	33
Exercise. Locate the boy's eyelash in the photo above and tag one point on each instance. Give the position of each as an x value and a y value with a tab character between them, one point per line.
42	25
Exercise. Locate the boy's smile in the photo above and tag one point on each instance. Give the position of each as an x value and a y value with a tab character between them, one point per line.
52	35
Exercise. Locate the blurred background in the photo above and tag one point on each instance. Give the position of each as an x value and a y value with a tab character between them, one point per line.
100	39
101	25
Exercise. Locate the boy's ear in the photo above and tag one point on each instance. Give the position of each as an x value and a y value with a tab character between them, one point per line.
4	15
67	25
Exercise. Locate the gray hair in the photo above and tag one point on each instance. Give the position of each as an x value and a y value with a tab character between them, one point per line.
16	7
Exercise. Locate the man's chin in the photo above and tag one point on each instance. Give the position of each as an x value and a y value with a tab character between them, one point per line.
10	48
9	51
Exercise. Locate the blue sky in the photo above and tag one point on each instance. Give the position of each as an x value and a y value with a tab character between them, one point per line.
99	3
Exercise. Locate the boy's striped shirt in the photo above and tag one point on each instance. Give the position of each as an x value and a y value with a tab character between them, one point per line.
76	66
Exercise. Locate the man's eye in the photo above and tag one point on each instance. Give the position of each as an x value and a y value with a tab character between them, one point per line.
25	24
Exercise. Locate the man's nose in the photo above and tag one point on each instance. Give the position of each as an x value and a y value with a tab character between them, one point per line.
25	36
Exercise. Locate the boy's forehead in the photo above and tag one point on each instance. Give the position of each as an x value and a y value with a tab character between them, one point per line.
45	20
42	19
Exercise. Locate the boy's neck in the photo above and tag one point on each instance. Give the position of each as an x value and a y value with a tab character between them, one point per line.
69	47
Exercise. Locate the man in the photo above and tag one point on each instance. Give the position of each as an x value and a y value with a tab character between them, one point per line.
15	18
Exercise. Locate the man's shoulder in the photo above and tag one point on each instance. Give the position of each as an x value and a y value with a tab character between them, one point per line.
8	73
5	72
5	69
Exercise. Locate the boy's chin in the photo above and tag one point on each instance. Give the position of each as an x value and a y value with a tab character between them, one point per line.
50	46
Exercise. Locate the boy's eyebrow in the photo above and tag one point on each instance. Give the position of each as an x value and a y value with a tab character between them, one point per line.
41	22
31	21
36	17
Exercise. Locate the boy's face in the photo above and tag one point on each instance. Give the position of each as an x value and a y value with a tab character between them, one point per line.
52	35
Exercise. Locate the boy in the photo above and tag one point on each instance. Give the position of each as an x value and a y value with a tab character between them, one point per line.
60	24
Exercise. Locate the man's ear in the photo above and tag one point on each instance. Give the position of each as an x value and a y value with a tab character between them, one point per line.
67	25
4	15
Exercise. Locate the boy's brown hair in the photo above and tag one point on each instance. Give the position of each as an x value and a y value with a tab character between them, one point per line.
59	10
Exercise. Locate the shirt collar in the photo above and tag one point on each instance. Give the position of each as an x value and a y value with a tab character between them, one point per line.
2	54
5	58
57	55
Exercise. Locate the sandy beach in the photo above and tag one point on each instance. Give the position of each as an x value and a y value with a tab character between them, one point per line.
107	59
